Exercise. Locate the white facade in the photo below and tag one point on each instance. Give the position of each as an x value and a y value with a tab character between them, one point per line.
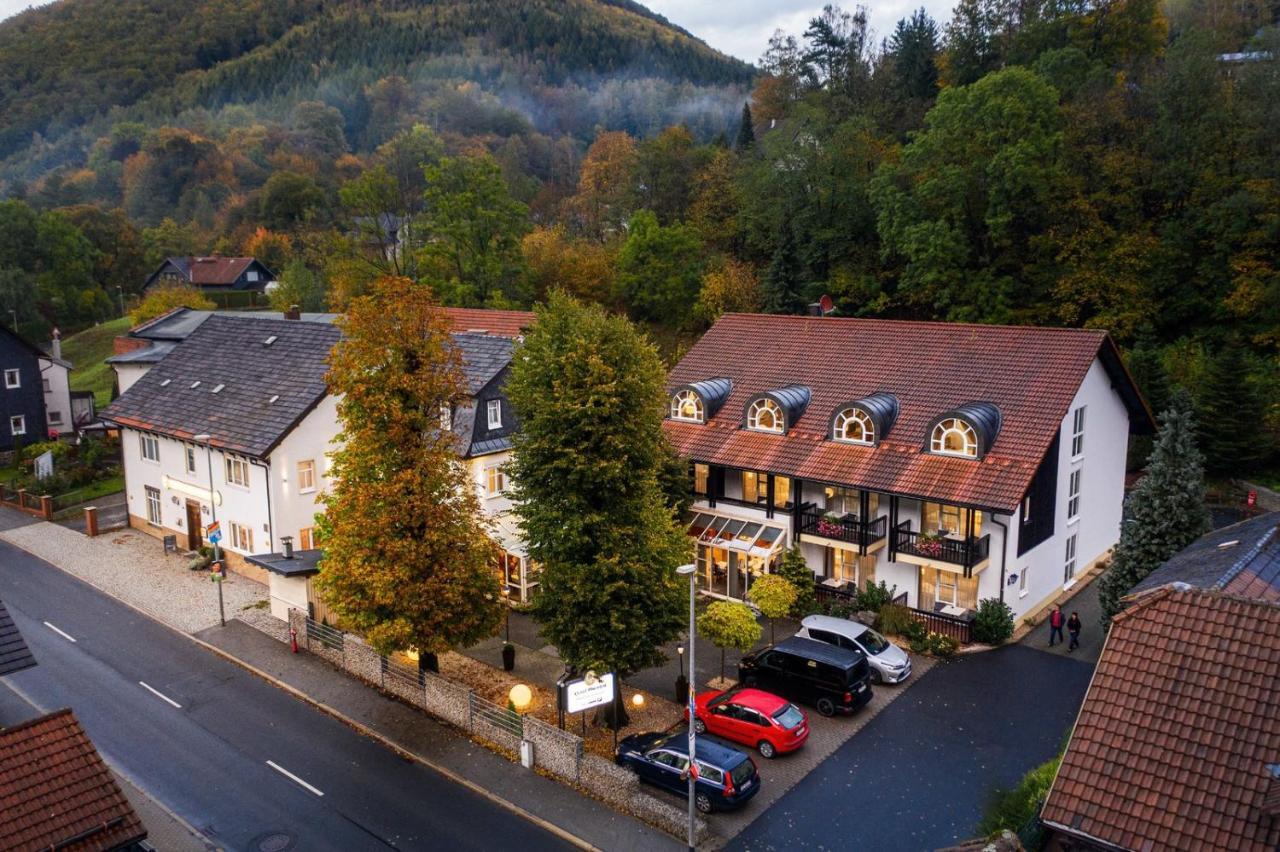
56	379
128	373
519	575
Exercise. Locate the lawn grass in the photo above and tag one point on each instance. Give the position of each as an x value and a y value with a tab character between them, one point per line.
90	492
87	351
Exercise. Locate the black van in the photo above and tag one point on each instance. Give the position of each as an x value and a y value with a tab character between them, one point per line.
830	678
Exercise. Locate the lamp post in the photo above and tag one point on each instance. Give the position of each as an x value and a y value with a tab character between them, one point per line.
213	511
690	572
682	684
506	602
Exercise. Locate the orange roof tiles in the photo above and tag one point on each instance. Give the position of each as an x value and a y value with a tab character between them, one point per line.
1177	741
498	323
1030	374
54	787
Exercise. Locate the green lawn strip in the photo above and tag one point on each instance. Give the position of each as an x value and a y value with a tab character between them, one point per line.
87	351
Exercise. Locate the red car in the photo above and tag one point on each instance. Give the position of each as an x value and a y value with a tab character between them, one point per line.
754	718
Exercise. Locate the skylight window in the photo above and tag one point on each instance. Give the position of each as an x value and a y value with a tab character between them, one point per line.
270	340
218	388
273	399
165	383
195	384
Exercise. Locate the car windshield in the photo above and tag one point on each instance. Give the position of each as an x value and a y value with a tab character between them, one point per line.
873	643
789	716
742	773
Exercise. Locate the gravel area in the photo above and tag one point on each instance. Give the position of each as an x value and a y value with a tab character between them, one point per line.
134	568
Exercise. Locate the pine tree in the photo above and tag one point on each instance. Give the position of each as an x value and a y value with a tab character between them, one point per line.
589	391
782	281
746	132
1165	512
1232	416
407	562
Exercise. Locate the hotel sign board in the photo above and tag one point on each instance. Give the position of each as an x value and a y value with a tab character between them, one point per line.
585	693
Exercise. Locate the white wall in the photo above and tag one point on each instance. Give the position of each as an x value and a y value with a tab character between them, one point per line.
57	398
127	374
312	439
287	593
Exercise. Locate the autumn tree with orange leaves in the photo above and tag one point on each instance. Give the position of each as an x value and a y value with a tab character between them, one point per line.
407	561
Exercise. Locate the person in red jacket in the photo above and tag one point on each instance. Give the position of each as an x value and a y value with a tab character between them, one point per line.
1055	625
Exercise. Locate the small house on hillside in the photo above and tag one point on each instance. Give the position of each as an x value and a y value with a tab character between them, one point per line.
213	273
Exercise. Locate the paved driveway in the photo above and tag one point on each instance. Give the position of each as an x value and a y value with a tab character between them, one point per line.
919	774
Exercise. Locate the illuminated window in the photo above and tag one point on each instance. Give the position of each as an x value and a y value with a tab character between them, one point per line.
687	405
765	415
307	538
854	426
701	473
495	480
954	437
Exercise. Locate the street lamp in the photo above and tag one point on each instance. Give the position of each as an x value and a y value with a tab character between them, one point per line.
690	572
506	602
213	510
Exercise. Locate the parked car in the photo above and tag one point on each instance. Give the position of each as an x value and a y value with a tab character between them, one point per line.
889	663
828	677
765	722
727	778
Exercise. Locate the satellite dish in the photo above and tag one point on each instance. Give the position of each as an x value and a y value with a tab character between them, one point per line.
826	305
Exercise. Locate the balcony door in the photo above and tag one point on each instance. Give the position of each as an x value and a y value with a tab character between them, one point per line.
950	521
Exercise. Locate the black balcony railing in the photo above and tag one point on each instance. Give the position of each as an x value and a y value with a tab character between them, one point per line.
967	552
846	528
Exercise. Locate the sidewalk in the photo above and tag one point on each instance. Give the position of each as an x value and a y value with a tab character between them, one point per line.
436	744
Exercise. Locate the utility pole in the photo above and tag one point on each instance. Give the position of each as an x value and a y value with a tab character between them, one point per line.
213	510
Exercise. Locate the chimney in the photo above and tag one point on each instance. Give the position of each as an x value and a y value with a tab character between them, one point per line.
286	542
294	313
55	348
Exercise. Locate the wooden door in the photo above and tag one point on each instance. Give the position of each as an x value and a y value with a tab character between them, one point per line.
195	525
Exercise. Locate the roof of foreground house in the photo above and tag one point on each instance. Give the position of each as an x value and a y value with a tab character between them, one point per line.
14	653
1177	745
56	792
1241	559
1019	379
486	321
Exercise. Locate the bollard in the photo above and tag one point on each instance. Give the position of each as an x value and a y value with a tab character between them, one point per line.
91	521
293	639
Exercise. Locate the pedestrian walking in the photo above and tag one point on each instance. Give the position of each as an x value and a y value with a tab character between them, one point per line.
1073	627
1055	625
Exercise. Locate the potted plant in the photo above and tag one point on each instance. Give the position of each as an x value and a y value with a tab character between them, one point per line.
929	544
829	525
508	656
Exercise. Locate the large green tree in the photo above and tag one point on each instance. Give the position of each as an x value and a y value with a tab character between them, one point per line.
659	269
1232	415
407	561
588	390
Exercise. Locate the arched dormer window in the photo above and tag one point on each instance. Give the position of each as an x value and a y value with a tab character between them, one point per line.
954	437
686	405
765	415
854	426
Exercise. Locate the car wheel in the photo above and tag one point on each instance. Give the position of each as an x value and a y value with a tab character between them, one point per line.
876	676
766	749
826	707
699	726
703	803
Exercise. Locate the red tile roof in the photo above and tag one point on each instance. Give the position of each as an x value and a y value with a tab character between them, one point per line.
55	787
499	323
1177	743
216	271
1030	374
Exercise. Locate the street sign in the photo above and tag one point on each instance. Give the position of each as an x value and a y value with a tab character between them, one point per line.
215	537
213	529
583	694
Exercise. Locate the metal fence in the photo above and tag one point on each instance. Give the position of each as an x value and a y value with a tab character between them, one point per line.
499	717
328	637
401	672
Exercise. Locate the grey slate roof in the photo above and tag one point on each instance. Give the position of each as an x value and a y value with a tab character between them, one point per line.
483	357
231	351
14	653
178	324
1242	559
304	563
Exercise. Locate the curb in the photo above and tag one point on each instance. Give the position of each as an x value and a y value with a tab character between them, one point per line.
559	832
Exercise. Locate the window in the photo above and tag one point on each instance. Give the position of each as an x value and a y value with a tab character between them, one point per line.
954	437
13	378
495	480
1026	509
48	388
494	409
306	476
844	565
946	591
687	405
242	537
149	447
55	418
781	491
854	426
237	471
1073	495
701	474
153	504
848	501
755	488
950	520
251	275
446	417
1069	567
307	538
189	458
1077	432
1022	580
765	415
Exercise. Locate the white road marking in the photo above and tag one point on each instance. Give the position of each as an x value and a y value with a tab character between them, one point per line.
286	773
61	633
158	694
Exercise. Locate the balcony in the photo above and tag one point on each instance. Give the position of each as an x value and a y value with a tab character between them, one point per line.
847	528
955	550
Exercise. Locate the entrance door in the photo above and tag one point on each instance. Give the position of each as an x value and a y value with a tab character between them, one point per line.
195	525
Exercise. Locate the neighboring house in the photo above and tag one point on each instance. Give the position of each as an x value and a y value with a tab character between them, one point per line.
953	462
65	410
23	412
388	234
57	793
1242	559
1177	745
219	274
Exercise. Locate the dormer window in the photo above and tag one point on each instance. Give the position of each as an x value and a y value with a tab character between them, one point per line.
854	426
686	405
765	415
966	432
954	437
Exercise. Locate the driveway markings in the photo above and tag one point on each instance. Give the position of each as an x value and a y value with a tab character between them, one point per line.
286	773
62	633
158	694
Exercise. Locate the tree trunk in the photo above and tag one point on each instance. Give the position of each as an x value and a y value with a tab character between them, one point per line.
614	714
722	663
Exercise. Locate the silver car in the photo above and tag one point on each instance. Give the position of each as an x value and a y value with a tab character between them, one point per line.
889	663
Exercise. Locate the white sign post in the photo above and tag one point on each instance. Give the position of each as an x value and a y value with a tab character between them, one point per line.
584	694
44	465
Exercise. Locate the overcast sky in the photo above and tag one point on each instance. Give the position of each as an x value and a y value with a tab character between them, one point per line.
740	27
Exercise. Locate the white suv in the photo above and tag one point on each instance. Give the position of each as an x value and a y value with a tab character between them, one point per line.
889	663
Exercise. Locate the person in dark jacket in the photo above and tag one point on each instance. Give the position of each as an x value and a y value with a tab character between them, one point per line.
1055	625
1073	627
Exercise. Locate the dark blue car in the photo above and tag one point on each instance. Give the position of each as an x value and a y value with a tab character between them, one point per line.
726	776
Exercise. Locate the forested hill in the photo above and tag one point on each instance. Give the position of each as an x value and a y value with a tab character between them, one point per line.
563	66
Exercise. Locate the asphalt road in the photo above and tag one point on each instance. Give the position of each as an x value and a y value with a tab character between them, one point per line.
245	763
918	776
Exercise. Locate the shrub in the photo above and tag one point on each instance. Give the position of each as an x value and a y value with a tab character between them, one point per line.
941	646
1015	809
841	609
994	622
915	631
797	572
895	619
875	596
